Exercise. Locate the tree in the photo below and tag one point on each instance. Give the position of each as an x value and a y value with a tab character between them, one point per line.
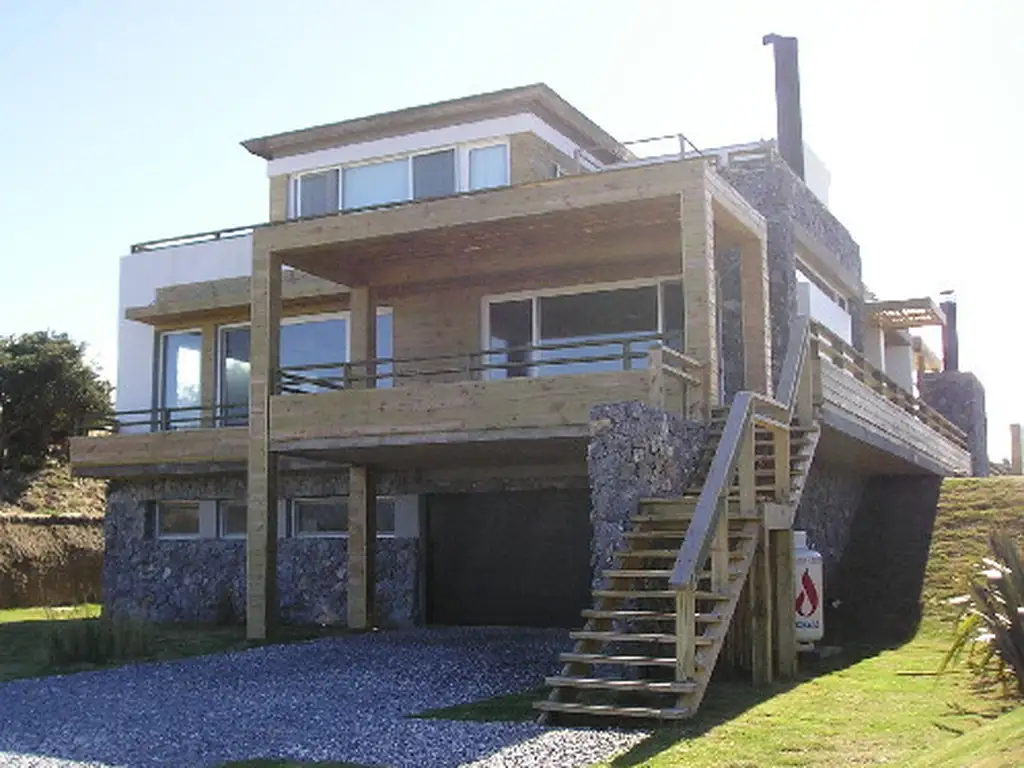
48	391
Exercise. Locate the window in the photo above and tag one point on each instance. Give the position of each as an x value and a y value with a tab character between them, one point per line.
180	385
318	193
306	342
375	184
568	321
328	516
488	167
433	174
231	519
177	519
234	376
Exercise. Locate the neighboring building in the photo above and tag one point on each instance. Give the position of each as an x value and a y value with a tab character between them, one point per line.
493	319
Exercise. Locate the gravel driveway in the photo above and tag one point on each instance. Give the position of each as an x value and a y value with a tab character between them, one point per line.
342	698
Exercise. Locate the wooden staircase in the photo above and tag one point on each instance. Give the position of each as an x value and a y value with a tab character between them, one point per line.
649	646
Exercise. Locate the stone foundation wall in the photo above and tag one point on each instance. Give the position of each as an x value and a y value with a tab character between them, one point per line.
636	451
960	397
827	511
190	580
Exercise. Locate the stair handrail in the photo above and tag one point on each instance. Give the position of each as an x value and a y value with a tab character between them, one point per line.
747	407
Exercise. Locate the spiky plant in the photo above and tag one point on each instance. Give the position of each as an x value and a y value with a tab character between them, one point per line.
990	630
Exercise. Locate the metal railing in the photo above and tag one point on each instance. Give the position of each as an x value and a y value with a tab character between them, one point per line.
169	419
611	353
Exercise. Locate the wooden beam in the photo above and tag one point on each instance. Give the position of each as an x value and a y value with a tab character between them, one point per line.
761	588
781	454
656	385
757	339
720	550
784	602
747	476
1016	450
566	193
698	268
363	336
362	546
208	374
261	541
686	633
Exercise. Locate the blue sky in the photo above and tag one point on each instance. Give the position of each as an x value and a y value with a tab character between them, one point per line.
120	122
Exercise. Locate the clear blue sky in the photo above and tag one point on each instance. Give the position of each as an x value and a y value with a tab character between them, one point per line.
120	122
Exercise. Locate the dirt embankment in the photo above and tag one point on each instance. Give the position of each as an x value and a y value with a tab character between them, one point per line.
51	538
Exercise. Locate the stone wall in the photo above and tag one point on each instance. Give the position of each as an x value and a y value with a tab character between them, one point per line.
190	580
635	452
828	508
730	321
786	202
960	397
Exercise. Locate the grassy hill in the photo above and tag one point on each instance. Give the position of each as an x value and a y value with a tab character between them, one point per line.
51	491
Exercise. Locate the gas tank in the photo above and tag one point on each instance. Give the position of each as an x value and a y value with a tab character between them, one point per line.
810	591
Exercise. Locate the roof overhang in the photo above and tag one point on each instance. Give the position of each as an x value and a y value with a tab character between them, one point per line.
905	313
538	99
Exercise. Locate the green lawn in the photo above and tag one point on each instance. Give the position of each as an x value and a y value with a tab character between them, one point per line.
25	633
870	704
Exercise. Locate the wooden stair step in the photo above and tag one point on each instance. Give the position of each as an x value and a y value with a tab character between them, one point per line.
613	684
676	533
607	710
656	593
653	573
663	554
596	613
632	637
625	661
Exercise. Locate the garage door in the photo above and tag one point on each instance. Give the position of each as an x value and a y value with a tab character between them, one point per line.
518	559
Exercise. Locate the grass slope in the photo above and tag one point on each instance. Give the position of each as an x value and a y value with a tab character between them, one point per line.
999	744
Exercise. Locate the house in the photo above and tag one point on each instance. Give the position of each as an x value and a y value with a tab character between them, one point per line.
486	364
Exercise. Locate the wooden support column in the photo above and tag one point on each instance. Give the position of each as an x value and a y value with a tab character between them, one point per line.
745	468
1016	450
363	336
761	590
698	241
686	633
780	438
208	375
781	543
757	335
720	550
362	546
656	390
261	540
804	409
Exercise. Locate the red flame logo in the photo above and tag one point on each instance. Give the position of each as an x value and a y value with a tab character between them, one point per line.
807	600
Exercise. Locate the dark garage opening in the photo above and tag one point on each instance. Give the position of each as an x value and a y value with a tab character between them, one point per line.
519	559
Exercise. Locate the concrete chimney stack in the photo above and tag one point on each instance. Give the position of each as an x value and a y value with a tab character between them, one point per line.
789	119
950	337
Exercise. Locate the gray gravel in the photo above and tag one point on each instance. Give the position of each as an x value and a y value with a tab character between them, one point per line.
334	699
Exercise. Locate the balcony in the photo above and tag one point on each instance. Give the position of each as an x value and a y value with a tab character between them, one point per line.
533	401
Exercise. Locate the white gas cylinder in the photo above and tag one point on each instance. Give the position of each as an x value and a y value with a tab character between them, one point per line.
810	591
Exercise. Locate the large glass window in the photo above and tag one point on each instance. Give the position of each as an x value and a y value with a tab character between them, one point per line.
488	167
433	174
604	330
375	184
177	519
180	383
231	519
315	343
318	193
234	376
328	516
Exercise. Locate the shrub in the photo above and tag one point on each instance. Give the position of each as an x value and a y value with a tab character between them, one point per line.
105	640
991	627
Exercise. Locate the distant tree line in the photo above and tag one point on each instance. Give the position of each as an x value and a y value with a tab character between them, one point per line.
48	392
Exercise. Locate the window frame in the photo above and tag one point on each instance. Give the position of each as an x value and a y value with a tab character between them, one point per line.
461	150
292	514
570	290
159	535
221	517
160	390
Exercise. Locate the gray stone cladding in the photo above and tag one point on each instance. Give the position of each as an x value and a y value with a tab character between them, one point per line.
786	203
827	511
635	452
960	397
190	580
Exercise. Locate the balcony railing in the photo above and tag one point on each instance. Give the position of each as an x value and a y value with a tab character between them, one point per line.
169	419
607	353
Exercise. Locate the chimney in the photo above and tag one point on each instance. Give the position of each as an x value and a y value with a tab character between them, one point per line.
950	338
789	121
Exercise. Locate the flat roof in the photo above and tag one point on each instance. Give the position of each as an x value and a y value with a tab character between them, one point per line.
539	99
